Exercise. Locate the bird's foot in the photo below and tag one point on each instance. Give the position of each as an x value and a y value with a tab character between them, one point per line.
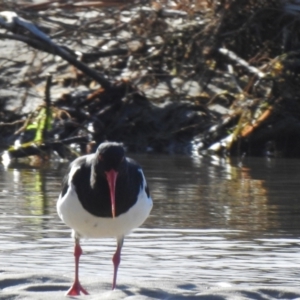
76	289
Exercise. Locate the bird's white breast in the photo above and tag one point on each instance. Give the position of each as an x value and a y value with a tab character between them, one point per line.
85	224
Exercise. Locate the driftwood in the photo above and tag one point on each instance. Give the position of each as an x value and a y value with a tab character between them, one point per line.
232	56
41	41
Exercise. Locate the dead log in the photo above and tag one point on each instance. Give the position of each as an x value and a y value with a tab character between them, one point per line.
10	21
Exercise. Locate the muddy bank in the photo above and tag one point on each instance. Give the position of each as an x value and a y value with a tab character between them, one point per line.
188	77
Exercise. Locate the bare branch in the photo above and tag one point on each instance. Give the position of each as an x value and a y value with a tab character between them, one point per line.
241	62
9	20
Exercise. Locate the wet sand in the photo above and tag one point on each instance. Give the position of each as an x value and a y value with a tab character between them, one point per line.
37	286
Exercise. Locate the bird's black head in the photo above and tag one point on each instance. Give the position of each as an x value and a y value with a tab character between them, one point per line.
110	156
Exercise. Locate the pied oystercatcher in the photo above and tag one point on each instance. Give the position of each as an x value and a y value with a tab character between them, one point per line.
105	194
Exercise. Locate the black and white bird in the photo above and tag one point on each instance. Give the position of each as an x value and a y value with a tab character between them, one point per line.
105	194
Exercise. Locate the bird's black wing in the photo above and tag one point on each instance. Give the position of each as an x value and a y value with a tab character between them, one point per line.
136	176
137	169
77	163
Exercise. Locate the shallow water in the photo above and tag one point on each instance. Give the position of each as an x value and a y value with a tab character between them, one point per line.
214	222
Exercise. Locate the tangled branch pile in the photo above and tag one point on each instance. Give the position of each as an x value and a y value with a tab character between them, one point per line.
167	76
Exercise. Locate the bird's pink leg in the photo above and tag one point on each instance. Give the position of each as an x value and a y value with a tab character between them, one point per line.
76	288
116	260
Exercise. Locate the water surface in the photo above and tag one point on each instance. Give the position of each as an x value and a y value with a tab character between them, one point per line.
214	221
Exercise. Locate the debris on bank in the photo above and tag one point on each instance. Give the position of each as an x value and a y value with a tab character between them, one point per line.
193	77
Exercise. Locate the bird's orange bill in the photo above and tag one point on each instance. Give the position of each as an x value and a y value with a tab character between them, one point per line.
111	177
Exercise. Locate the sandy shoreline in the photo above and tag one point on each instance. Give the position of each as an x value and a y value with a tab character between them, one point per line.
38	286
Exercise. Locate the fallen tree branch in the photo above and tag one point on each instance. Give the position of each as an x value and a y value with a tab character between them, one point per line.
43	149
11	20
12	123
93	56
45	132
231	55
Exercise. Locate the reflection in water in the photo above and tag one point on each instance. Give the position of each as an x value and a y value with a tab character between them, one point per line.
195	193
211	218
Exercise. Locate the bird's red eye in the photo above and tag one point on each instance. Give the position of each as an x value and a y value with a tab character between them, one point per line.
100	157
